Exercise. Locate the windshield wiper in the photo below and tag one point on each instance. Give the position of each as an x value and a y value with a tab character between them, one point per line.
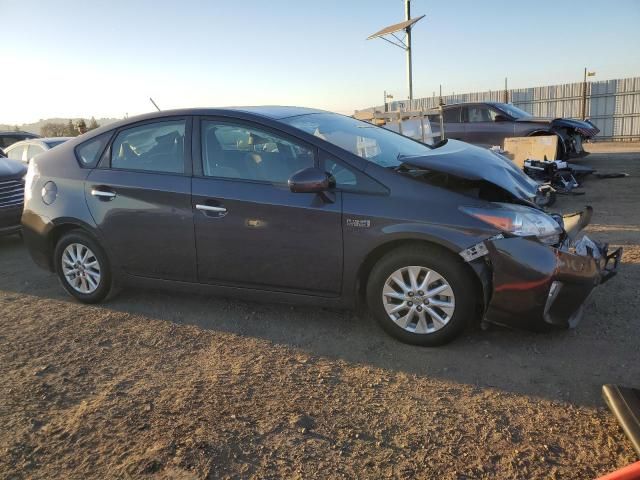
408	168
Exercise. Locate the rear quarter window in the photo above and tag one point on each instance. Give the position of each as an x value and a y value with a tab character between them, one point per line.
89	152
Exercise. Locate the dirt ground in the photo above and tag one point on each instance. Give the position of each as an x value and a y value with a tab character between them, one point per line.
158	385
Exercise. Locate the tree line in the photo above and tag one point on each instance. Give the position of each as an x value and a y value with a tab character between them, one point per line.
69	129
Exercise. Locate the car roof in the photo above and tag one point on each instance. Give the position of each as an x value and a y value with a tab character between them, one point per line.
462	104
273	112
51	139
19	132
276	112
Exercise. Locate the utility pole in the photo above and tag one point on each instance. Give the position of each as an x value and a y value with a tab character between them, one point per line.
407	17
506	91
583	114
584	92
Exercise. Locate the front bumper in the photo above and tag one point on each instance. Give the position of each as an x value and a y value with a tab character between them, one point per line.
533	285
10	220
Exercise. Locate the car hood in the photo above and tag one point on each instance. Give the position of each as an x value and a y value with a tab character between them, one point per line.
559	122
475	163
11	168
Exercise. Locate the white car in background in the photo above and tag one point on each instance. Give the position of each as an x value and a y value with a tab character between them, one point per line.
25	150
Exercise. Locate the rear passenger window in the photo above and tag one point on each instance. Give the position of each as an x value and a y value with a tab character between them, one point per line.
243	152
88	153
155	147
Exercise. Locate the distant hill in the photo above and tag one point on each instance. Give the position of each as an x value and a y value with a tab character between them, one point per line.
36	126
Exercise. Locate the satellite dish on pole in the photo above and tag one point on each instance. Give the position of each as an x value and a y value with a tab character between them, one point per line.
403	43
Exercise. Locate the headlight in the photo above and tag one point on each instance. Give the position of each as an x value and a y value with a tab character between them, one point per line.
519	220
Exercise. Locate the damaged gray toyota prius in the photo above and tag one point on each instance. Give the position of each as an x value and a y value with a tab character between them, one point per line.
287	204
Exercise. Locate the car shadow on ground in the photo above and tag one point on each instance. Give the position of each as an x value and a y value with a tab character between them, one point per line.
562	365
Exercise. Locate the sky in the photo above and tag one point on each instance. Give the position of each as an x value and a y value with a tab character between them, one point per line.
106	58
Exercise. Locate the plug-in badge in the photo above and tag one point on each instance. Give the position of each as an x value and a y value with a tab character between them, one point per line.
358	223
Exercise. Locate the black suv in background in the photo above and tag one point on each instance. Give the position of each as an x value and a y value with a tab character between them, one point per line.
8	138
306	206
11	195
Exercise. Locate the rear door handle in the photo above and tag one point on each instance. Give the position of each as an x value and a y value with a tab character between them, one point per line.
209	208
103	194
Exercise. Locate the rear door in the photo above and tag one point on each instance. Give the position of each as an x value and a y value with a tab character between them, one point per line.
251	230
140	198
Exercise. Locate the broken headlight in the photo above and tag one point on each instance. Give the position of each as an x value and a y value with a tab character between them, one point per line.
519	220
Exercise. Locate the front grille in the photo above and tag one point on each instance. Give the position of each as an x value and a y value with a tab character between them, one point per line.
11	193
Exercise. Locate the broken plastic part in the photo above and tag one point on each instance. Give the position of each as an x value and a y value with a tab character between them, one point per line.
587	247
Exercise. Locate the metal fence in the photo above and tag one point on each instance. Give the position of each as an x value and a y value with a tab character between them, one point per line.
612	105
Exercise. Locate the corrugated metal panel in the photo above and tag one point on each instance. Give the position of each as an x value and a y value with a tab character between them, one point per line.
612	105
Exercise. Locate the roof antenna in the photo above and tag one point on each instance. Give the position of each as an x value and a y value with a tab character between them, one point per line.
154	104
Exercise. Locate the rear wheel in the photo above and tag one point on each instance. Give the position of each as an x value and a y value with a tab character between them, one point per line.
423	296
82	267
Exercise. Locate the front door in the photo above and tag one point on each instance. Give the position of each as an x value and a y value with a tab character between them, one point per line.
481	128
141	200
250	229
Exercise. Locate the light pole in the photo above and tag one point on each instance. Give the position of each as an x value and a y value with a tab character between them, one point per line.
407	18
403	43
584	92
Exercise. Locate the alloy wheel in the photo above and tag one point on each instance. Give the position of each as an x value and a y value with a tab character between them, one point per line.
81	268
418	299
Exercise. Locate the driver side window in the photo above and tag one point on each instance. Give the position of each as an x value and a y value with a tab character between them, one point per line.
479	113
154	147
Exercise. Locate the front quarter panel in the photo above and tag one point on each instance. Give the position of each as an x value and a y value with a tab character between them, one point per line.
413	211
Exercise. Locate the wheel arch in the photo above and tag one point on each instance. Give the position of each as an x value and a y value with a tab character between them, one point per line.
562	145
63	226
479	281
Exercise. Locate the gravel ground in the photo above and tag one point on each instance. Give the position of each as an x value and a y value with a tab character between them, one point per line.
165	386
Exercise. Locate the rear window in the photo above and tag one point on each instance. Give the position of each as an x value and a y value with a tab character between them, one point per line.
88	153
16	152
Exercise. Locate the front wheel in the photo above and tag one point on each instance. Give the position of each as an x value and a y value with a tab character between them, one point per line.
82	267
422	296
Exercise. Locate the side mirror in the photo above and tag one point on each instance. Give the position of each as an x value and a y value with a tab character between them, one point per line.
500	118
310	180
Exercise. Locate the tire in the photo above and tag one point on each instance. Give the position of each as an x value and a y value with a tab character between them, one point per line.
448	269
95	256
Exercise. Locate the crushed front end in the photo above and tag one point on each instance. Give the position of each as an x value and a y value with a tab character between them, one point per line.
533	284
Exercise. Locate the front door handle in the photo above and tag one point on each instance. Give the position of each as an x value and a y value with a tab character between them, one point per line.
209	208
103	194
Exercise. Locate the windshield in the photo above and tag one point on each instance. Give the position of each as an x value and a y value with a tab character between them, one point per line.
375	144
515	112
